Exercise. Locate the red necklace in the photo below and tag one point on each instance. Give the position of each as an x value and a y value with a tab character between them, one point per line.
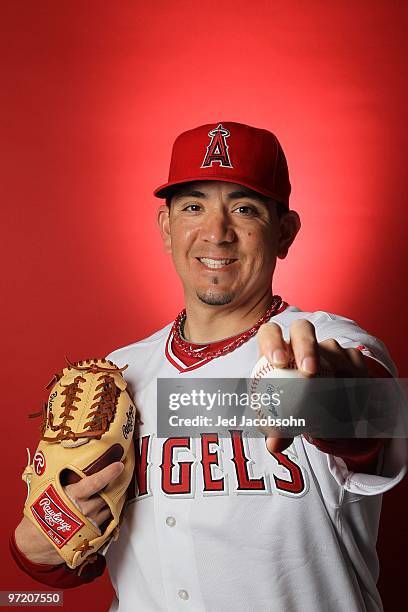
188	348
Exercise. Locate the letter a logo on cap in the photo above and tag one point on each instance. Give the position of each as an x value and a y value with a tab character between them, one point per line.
217	150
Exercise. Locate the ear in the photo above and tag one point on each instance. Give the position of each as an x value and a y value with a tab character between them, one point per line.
289	227
163	220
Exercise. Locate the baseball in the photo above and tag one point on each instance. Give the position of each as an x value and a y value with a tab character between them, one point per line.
290	393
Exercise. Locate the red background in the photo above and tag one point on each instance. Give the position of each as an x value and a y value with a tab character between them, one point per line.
92	96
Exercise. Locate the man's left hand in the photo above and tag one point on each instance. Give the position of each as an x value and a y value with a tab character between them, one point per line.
304	349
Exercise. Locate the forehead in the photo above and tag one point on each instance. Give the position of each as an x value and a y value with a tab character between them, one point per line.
205	189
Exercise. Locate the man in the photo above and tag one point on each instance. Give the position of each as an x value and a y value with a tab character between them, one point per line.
236	523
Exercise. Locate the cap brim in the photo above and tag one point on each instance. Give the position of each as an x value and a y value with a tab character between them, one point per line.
167	189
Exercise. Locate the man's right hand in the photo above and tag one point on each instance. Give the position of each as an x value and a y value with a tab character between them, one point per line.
36	547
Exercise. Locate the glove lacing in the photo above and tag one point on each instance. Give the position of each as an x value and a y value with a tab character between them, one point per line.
102	410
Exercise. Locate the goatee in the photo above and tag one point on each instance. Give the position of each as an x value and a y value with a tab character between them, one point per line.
215	299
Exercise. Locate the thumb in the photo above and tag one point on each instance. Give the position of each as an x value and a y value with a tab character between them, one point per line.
277	445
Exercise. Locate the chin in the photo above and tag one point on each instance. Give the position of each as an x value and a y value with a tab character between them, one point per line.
215	298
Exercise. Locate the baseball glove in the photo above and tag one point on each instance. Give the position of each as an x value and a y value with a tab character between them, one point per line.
88	423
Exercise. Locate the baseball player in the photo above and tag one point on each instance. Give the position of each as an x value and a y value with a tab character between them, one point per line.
236	523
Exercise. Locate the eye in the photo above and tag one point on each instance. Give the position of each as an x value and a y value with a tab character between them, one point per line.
247	210
192	207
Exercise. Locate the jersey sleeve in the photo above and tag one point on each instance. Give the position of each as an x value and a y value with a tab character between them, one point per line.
390	460
57	576
349	335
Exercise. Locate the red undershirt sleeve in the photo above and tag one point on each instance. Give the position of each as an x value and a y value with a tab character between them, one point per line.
359	454
57	576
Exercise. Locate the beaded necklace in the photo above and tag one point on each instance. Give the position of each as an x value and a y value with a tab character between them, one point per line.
188	349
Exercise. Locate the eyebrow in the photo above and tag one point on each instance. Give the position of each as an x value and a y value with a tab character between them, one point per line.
234	195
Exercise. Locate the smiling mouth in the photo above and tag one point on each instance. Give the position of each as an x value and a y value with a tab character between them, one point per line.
215	264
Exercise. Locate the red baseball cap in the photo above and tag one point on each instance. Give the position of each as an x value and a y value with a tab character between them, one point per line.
231	152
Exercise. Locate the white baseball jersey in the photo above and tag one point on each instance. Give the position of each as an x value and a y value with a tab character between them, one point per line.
220	524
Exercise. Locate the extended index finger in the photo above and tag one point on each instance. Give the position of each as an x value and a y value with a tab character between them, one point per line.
88	486
304	346
272	344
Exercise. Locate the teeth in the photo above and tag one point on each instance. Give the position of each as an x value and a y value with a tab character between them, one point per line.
215	263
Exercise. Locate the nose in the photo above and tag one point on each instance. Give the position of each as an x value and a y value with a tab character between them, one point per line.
216	228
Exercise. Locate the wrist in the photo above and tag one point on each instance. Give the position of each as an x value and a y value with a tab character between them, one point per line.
34	546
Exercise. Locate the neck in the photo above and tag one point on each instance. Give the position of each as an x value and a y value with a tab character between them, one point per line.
206	323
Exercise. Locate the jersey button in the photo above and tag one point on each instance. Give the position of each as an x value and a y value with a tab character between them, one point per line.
170	521
183	594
